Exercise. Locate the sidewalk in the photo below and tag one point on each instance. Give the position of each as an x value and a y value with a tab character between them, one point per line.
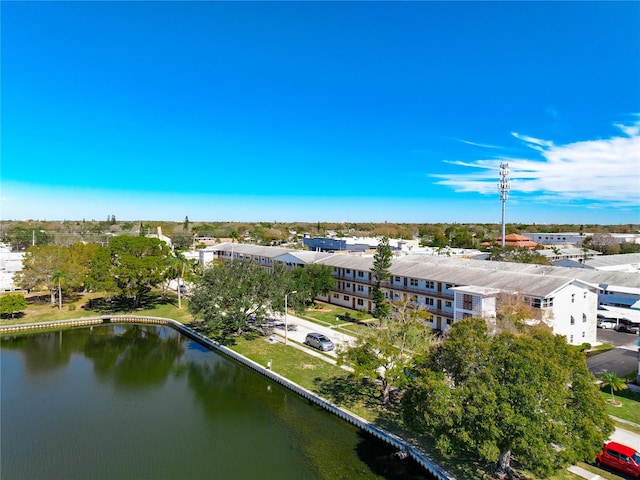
581	472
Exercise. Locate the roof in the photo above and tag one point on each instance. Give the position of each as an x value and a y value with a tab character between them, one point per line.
513	240
304	256
607	261
254	250
463	272
628	451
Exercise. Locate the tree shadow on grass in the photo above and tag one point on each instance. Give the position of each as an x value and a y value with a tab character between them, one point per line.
348	391
117	305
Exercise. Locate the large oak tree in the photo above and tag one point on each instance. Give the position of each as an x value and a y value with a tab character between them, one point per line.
526	395
232	294
130	266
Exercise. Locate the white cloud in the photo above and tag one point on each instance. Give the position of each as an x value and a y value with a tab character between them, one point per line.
483	145
588	171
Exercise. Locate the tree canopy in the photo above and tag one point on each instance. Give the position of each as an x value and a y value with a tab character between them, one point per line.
310	281
130	266
527	395
11	303
231	294
56	268
385	353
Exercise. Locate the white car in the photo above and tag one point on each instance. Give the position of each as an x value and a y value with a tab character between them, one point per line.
606	323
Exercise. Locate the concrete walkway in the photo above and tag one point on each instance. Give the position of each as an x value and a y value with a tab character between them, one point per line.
581	472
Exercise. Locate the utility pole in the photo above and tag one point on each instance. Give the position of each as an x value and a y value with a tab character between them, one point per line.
503	188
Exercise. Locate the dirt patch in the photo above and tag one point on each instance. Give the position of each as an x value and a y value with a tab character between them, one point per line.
308	367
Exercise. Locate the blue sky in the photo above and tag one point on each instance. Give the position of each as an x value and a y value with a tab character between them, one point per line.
321	111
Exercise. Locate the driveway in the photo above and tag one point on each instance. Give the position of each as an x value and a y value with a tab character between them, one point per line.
626	437
299	328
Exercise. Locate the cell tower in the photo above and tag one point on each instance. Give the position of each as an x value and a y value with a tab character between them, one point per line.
503	188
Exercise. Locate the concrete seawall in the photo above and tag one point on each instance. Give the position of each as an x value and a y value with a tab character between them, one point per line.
401	445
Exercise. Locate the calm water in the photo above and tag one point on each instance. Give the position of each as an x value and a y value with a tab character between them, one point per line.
144	402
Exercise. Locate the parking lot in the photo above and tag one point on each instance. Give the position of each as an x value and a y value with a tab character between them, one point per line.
623	360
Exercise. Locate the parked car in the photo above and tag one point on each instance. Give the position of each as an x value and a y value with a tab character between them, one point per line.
621	458
604	323
626	326
630	328
319	341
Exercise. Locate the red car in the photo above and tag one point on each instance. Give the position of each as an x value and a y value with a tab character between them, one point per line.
620	457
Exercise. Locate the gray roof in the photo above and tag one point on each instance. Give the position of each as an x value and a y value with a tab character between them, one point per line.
530	279
308	256
604	261
458	272
255	250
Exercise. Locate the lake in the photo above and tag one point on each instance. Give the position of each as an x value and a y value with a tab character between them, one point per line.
145	402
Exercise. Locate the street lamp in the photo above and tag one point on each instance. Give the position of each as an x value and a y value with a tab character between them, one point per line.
286	326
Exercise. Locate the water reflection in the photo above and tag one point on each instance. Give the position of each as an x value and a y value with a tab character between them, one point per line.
142	401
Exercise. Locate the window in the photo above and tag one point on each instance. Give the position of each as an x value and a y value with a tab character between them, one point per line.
429	301
398	279
448	321
573	298
430	284
360	273
447	304
467	302
360	288
348	285
584	295
348	271
413	298
573	320
335	295
570	338
583	334
448	286
413	282
360	302
584	318
346	297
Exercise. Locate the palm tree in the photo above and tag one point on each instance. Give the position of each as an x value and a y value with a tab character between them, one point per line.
613	381
58	275
179	267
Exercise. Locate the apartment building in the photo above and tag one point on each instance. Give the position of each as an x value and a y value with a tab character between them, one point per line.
455	288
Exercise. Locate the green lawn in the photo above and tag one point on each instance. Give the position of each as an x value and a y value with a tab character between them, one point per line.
350	322
629	408
39	308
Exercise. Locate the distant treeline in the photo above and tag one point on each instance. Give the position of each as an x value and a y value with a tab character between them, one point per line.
22	234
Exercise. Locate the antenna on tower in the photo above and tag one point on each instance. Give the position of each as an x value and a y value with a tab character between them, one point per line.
503	188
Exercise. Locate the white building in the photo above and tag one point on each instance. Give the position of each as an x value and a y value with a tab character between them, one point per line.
10	264
575	238
453	288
